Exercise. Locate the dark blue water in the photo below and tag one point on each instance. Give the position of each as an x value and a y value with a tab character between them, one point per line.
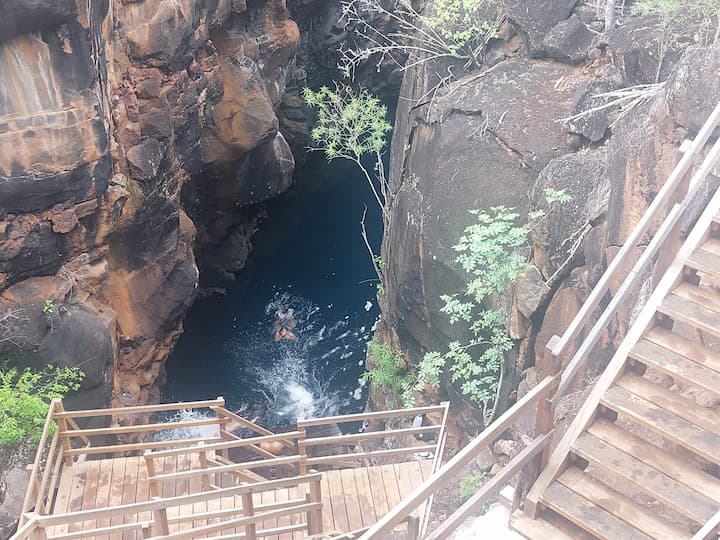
309	256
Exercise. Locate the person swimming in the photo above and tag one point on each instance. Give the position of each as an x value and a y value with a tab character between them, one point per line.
284	325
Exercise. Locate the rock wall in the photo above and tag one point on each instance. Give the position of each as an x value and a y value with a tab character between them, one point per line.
134	134
494	137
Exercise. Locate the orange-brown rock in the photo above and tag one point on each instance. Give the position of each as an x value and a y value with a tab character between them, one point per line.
105	118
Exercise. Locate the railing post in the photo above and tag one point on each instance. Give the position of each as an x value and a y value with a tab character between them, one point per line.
413	525
302	451
248	511
161	520
205	478
314	517
62	427
150	466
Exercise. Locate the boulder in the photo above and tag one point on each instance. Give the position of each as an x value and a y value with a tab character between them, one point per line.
530	291
244	118
693	89
593	126
166	39
569	41
270	172
535	19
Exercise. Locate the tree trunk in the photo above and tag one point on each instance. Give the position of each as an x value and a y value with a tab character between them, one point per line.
609	15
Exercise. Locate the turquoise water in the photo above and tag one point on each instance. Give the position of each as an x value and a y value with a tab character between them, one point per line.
308	256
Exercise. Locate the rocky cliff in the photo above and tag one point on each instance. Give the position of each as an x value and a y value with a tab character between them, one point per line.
134	134
495	137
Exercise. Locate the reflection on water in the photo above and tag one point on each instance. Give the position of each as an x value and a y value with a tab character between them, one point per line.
309	258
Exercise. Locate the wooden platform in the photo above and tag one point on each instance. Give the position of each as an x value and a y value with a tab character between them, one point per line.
352	498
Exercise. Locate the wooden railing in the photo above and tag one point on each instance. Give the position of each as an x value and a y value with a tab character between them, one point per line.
679	190
348	444
213	461
45	527
534	401
711	529
64	442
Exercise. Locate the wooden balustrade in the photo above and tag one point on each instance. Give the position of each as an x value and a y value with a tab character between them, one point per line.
532	400
681	187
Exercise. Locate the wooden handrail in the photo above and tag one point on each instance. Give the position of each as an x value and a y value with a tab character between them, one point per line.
135	447
558	346
368	435
138	409
33	479
473	504
249	465
225	445
395	413
181	500
402	511
710	530
141	428
659	202
369	455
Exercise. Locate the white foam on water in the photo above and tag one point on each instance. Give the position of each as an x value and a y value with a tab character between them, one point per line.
199	432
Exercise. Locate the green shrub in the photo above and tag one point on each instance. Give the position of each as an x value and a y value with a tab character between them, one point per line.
469	484
459	23
25	398
389	372
678	13
489	251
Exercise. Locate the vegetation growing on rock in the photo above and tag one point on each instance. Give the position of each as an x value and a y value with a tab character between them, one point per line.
25	398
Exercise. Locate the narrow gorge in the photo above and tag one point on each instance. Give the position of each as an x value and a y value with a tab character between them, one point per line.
161	213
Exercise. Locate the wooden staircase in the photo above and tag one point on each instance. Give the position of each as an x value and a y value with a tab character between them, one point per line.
642	458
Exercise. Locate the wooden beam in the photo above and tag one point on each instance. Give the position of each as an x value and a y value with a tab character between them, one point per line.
124	411
370	416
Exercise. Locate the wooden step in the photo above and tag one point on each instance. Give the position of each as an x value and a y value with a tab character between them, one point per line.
536	529
705	418
705	262
657	419
663	350
711	245
705	296
675	467
661	487
617	504
697	315
587	515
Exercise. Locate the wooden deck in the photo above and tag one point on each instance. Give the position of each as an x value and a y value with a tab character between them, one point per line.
352	498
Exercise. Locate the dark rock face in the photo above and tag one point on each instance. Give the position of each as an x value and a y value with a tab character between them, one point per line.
24	16
535	19
495	137
693	88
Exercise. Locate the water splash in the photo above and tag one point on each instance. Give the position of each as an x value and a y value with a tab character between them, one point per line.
197	432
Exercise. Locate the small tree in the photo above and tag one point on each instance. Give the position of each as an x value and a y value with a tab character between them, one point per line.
490	252
25	398
353	125
453	29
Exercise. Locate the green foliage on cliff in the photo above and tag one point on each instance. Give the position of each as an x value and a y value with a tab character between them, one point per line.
489	251
25	398
352	124
349	124
681	14
389	372
461	26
